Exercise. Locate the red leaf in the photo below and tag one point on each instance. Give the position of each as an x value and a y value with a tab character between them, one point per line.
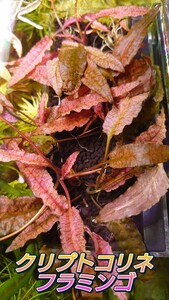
41	185
42	224
72	231
32	58
94	79
118	118
156	133
65	123
77	104
103	247
67	166
130	43
142	195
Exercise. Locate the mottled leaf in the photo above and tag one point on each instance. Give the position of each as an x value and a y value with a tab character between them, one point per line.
14	213
42	224
142	195
143	80
32	58
94	79
65	123
104	59
72	63
116	179
72	231
118	12
127	236
54	76
39	74
118	117
134	70
149	110
130	43
103	247
23	156
135	155
156	133
42	187
77	104
67	166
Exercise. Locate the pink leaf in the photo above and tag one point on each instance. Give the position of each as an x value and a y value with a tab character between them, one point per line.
39	74
22	156
32	58
67	166
42	224
98	109
118	118
72	231
41	185
156	133
65	123
142	195
77	104
130	43
103	247
40	118
119	12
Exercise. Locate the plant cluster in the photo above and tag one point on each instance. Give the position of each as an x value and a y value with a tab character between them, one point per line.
82	133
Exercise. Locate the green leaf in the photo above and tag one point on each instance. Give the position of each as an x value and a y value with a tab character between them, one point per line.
127	236
8	171
14	189
67	7
5	131
108	295
11	286
158	287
